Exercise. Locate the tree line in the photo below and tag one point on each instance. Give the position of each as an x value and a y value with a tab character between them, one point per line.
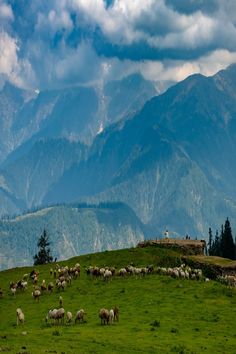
222	244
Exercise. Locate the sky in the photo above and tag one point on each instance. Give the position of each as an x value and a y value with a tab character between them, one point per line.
58	43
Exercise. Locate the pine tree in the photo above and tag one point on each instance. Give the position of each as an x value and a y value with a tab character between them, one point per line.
215	249
227	242
210	242
43	255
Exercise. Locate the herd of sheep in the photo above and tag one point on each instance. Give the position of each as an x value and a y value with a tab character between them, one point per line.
57	316
63	277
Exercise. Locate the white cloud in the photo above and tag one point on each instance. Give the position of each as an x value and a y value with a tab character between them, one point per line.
53	43
5	11
15	70
207	65
8	54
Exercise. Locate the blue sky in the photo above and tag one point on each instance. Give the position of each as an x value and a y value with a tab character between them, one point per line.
51	44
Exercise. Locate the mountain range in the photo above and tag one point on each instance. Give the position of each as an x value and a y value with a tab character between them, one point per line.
168	158
173	163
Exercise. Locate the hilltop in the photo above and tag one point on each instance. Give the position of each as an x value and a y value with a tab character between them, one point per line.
157	313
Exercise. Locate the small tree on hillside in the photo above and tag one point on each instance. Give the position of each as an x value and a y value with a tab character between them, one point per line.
44	254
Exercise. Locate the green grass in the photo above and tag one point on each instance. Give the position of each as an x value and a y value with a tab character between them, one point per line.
158	314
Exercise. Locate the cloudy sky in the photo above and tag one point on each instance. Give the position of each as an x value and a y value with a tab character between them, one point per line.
57	43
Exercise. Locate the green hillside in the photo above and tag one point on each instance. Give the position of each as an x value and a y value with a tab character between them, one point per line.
158	314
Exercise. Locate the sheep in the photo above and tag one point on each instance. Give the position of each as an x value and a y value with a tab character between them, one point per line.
231	280
80	316
102	271
43	285
51	315
77	273
59	315
122	272
116	313
107	275
36	294
60	301
63	284
20	317
24	285
13	291
68	317
111	316
35	280
104	316
33	274
50	287
26	276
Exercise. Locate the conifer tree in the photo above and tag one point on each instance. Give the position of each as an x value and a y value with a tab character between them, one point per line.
210	242
44	254
215	249
227	242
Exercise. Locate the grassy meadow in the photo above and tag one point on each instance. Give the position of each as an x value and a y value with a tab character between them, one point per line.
158	314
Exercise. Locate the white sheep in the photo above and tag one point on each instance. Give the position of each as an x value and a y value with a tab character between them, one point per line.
68	317
36	294
80	316
20	317
50	287
122	272
51	315
59	315
13	291
111	316
60	301
107	275
26	276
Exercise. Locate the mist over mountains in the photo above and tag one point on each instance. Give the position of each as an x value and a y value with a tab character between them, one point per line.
168	158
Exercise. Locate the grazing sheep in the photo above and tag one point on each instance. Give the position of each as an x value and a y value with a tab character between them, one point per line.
51	315
104	316
43	285
60	301
13	291
50	287
20	317
68	317
111	316
26	276
116	313
59	315
231	280
35	280
122	272
36	294
107	275
80	316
